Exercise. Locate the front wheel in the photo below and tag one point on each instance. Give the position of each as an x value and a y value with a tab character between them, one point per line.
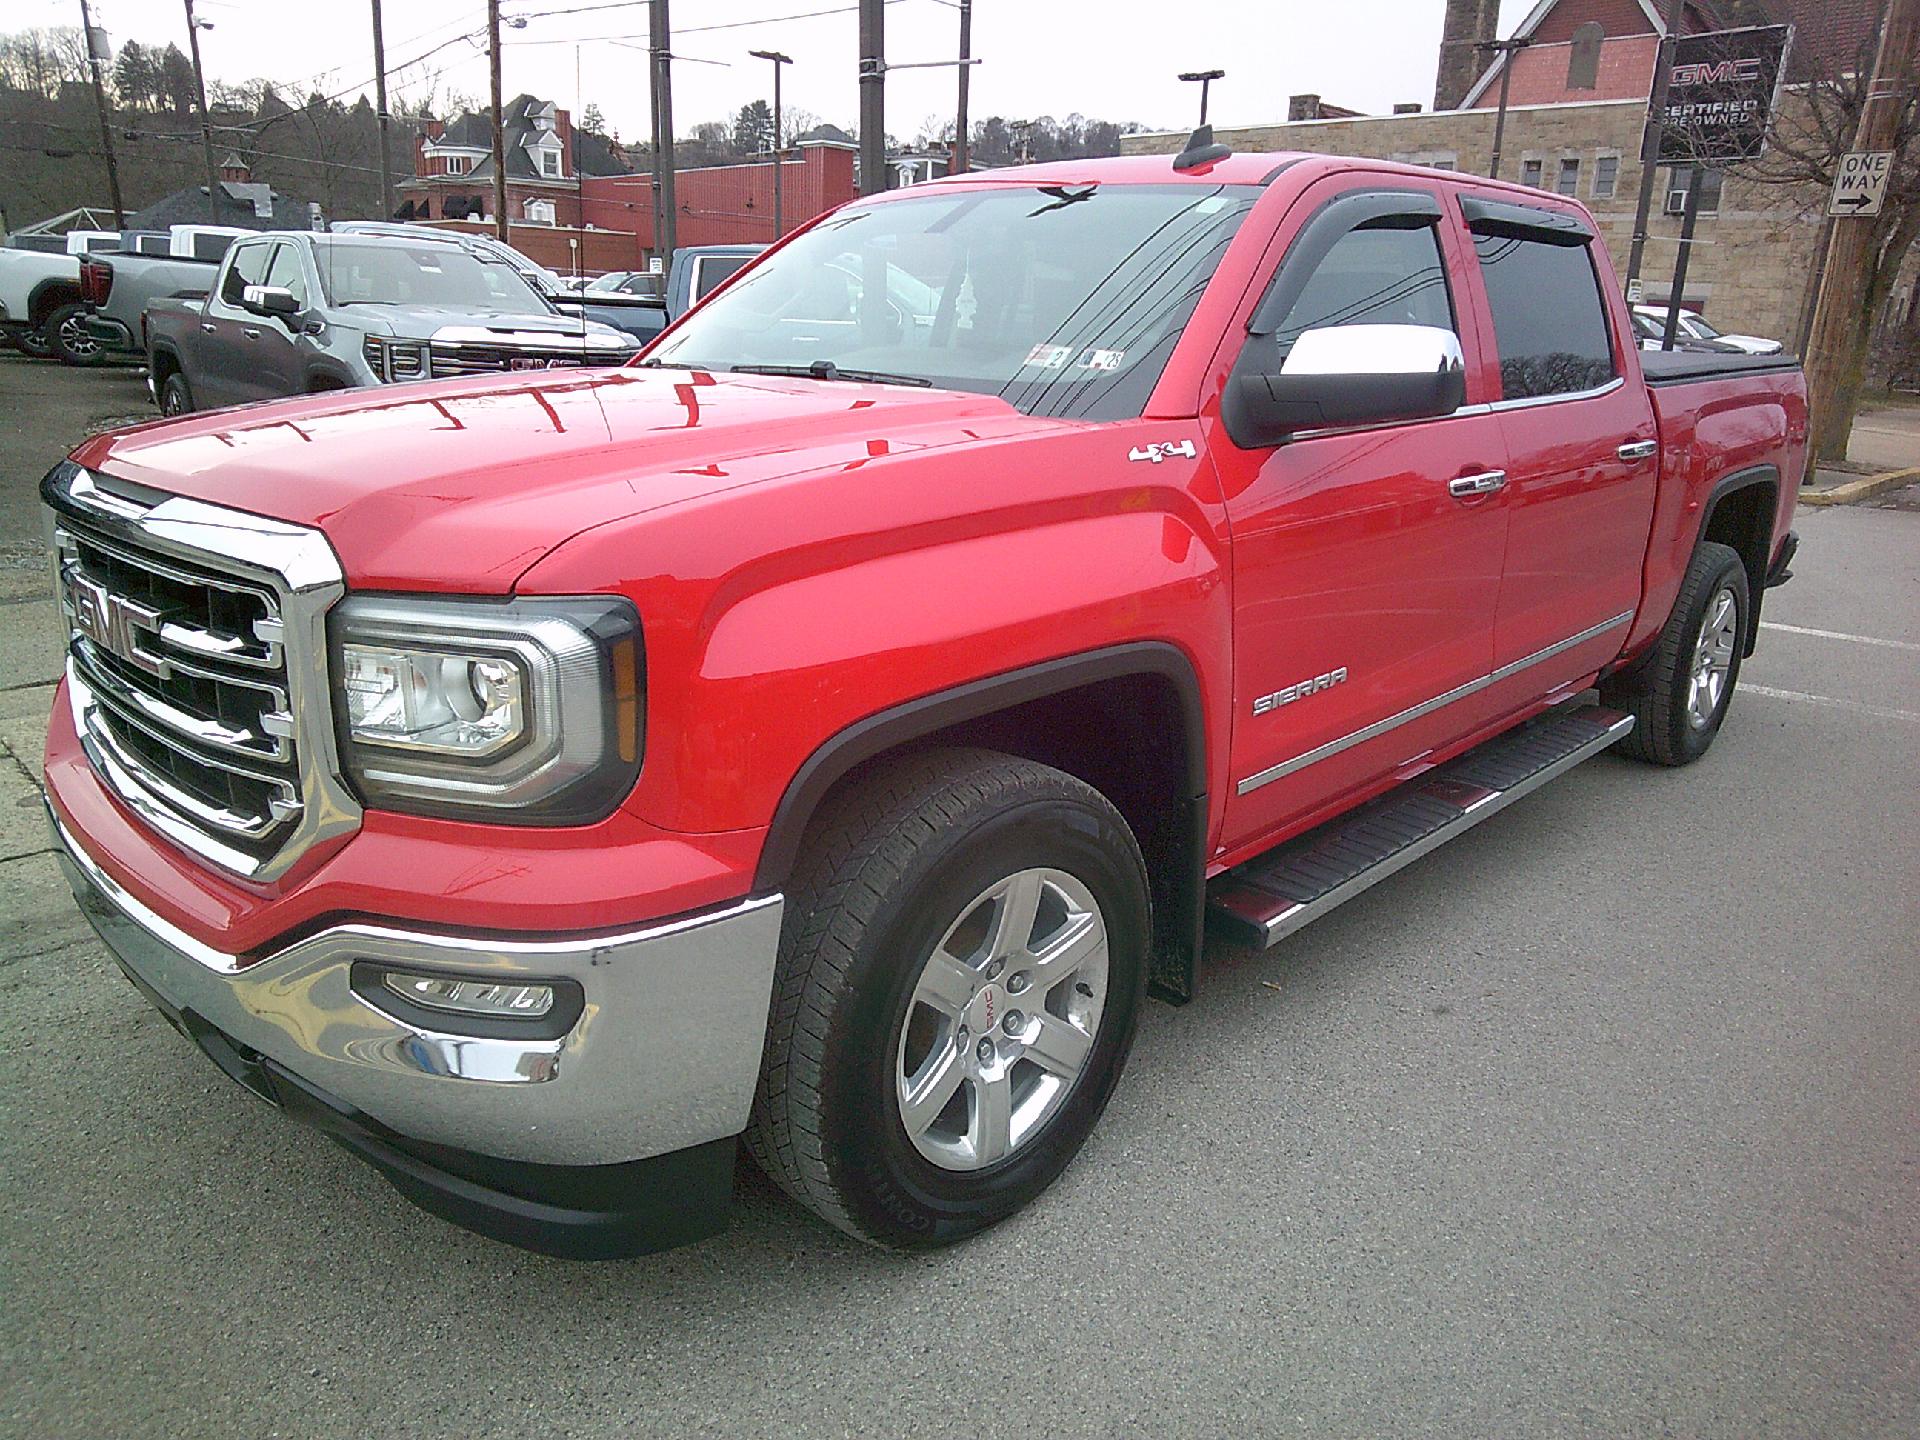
1679	698
961	968
175	397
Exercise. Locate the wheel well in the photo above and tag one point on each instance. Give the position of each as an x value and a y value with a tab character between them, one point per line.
163	364
320	383
1741	518
49	298
1134	737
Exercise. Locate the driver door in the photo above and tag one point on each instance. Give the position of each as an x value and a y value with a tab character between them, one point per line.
1366	571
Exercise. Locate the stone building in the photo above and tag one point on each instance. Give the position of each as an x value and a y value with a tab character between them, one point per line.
1758	248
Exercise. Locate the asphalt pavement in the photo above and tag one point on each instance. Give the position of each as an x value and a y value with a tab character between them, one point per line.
1601	1121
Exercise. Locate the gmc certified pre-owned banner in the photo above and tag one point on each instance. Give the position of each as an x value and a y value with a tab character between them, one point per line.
1720	94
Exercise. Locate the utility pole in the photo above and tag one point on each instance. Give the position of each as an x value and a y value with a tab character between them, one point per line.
778	60
94	58
1650	142
665	211
380	99
499	132
1696	180
961	163
873	97
1836	342
206	126
1506	49
1206	79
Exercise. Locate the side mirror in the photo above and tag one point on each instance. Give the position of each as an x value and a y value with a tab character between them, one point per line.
1349	375
269	300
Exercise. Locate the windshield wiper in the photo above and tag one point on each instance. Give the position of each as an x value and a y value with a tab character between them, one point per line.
827	370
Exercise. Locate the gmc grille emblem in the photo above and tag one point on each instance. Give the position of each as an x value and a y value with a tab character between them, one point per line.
113	622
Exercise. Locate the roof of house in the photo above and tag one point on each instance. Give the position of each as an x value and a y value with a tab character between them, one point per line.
473	130
246	205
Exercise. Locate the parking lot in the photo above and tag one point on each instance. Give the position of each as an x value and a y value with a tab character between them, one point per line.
1602	1121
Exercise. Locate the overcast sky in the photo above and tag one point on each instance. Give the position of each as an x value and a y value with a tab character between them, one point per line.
1106	59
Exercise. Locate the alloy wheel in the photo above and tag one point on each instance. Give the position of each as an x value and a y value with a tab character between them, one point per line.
1712	659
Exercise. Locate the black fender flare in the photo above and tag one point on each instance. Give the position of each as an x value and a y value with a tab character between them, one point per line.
916	719
48	296
1751	477
320	378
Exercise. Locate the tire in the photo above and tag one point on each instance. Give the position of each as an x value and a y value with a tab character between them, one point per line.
1679	698
929	853
34	343
67	337
175	397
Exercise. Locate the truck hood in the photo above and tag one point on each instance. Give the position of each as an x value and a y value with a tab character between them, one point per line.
463	484
470	325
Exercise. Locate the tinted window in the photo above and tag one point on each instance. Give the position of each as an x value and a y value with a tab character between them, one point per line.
1373	277
712	269
1547	317
249	267
438	275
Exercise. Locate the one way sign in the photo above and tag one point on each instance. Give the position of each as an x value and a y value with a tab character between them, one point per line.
1861	186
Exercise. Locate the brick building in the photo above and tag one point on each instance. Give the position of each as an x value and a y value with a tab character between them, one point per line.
1754	267
574	203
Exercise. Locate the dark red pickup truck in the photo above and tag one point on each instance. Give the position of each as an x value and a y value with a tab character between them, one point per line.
827	730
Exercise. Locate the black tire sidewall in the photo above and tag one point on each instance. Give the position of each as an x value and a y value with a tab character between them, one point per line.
1727	573
170	384
894	1192
60	351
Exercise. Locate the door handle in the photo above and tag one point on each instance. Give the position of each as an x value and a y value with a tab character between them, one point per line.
1638	450
251	333
1484	483
209	327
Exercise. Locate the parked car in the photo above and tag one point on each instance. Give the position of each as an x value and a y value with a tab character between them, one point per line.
1695	327
1651	331
292	312
40	286
826	729
116	287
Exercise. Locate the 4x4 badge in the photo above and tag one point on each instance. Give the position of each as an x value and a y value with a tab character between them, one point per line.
1163	449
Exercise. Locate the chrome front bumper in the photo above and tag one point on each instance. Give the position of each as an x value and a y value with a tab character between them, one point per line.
663	1057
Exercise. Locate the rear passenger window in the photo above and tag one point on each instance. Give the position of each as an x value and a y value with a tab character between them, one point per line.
1547	317
1373	277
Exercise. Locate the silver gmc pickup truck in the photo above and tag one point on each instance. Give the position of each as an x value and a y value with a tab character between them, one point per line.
296	312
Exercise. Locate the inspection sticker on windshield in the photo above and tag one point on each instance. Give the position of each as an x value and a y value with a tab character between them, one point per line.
1049	357
1101	360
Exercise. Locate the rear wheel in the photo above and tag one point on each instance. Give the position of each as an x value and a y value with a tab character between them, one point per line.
1679	698
175	398
71	341
33	342
961	967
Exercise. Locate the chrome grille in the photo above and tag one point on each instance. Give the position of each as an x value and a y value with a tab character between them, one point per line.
196	669
467	358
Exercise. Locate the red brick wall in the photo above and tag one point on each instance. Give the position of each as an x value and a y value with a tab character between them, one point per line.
726	204
1540	74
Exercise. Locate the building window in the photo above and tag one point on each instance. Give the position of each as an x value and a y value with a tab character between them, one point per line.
1677	180
1606	175
458	164
1530	173
539	212
1569	181
550	164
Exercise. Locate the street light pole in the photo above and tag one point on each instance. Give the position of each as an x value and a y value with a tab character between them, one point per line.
1206	79
106	127
1505	49
778	60
194	27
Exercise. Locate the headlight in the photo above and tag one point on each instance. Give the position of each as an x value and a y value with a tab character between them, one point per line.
520	711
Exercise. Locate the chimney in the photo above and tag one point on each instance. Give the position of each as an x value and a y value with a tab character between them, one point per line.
1407	107
1303	107
234	168
1468	23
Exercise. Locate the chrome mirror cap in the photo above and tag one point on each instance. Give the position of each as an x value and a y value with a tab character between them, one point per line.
1375	350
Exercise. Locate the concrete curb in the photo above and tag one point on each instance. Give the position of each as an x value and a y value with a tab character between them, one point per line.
1864	488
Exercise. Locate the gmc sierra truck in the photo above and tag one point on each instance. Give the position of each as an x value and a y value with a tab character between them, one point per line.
828	729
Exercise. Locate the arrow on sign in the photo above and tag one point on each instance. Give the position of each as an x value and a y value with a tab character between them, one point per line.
1855	203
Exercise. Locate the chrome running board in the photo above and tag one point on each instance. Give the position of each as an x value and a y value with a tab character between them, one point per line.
1267	899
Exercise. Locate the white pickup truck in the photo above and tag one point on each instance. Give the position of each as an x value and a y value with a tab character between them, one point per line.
42	309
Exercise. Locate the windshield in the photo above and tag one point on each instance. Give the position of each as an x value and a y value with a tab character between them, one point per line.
1066	300
437	275
1699	328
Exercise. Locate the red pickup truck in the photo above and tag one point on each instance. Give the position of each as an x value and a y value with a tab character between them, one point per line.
828	729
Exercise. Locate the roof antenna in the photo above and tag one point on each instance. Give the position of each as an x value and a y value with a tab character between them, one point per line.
1201	150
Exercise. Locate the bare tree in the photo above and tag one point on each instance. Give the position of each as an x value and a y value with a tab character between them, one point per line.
1812	130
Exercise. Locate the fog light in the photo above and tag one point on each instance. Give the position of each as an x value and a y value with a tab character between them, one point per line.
480	998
